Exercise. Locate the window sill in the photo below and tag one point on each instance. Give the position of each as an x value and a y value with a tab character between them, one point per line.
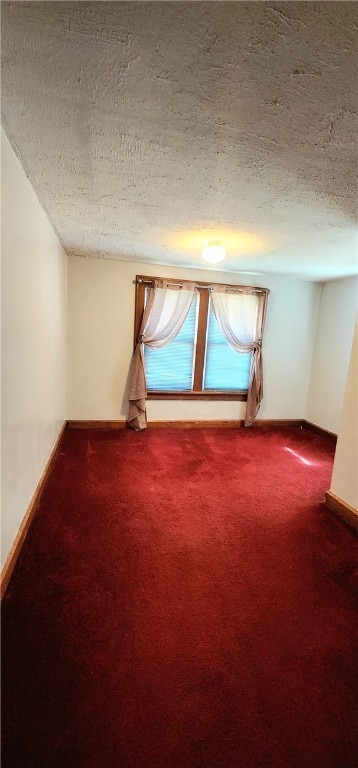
238	396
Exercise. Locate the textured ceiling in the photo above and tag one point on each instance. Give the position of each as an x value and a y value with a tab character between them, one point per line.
148	128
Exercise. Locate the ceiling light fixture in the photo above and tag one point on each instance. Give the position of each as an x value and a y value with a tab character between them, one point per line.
214	252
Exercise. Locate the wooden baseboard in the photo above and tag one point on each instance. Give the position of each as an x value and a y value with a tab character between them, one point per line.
188	424
319	430
224	423
25	525
97	424
197	424
341	508
263	423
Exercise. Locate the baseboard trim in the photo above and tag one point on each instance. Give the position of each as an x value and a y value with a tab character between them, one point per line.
197	424
96	424
188	424
224	424
193	424
278	423
342	509
319	430
15	550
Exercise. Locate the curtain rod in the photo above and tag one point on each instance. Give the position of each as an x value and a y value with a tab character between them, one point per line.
232	289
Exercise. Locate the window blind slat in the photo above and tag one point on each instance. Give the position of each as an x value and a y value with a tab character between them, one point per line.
225	369
171	368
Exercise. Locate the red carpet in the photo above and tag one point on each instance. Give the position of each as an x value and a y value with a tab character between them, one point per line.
183	600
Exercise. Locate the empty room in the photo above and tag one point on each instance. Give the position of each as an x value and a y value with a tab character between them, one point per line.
179	499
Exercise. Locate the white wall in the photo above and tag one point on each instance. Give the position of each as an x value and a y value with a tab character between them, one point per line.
332	349
100	343
345	469
33	342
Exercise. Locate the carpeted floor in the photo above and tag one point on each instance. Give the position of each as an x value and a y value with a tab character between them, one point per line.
183	600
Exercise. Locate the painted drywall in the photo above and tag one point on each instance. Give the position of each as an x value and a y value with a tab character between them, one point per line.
345	469
332	349
33	343
101	297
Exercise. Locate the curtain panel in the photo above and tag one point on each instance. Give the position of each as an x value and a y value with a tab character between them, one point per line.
166	309
240	313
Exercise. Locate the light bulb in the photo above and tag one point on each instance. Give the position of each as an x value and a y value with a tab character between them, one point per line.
214	252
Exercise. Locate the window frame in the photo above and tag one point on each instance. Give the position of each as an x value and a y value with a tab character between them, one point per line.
141	282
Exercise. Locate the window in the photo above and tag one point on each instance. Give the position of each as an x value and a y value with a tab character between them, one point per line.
225	369
170	369
199	363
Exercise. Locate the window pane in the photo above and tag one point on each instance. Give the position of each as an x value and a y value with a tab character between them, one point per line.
225	369
171	368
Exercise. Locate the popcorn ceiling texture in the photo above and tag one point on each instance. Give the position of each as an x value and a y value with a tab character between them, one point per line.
145	126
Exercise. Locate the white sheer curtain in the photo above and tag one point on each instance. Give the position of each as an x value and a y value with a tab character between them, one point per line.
241	315
164	314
